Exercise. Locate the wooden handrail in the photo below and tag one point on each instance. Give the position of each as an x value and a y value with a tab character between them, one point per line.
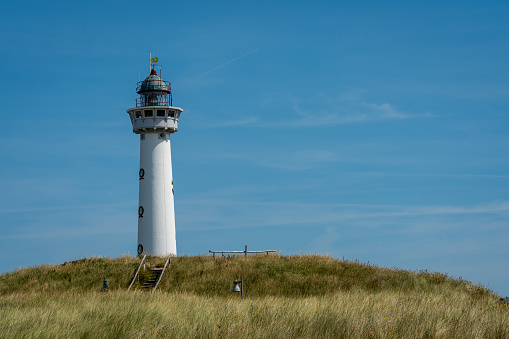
265	251
240	252
137	271
162	273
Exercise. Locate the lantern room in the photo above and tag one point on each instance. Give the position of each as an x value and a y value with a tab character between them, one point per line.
154	91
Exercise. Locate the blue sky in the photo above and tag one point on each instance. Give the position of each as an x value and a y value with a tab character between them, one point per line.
374	131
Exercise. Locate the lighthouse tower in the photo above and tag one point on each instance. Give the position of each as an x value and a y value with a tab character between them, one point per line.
154	119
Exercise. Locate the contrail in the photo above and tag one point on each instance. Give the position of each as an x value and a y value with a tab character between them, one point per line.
227	63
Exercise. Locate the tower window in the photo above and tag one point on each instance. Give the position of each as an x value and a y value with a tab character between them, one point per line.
160	112
137	114
162	135
149	113
171	114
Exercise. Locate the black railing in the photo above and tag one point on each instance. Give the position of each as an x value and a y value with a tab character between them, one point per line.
146	99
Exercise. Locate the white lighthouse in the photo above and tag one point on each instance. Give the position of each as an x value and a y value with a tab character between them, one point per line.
154	119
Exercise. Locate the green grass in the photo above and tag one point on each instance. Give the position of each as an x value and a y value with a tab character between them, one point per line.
285	296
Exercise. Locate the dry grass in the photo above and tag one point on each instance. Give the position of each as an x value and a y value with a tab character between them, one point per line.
352	314
301	296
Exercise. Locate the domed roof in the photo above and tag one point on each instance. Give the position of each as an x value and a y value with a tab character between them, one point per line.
153	83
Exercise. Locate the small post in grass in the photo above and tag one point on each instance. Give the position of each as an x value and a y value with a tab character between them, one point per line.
105	285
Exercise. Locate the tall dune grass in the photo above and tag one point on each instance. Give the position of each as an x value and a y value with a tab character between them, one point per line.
350	314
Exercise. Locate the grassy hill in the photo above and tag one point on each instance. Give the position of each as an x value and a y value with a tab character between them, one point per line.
285	296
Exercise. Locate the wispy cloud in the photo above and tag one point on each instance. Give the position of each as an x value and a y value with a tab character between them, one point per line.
445	175
288	111
227	63
457	90
357	113
68	233
56	208
390	158
323	110
214	69
67	221
231	213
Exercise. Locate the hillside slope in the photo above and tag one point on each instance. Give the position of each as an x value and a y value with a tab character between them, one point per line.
272	275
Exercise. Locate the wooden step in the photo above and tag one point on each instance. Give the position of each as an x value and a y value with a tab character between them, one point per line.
154	277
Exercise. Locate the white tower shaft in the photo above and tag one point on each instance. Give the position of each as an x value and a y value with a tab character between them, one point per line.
156	215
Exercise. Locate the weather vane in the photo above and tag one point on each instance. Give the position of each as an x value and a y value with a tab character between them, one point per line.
153	59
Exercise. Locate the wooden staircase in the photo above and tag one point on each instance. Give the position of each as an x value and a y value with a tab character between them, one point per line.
155	273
